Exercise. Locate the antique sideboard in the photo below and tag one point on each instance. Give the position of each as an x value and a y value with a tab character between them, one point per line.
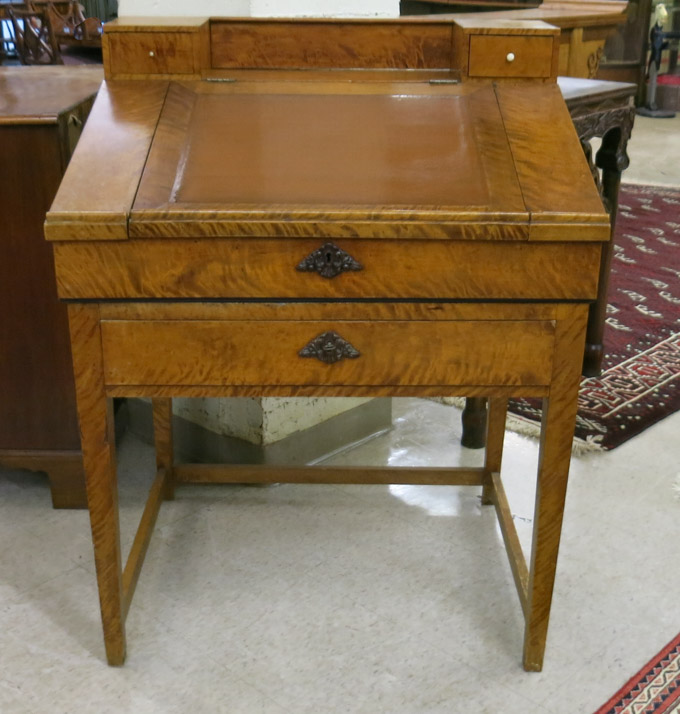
42	111
328	208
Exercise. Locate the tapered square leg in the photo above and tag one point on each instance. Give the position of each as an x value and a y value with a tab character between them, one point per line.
557	431
162	431
495	433
95	413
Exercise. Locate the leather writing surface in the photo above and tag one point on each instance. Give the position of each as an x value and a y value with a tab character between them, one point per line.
332	149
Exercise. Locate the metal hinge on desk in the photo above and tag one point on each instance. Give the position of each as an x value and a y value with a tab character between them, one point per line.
219	79
445	81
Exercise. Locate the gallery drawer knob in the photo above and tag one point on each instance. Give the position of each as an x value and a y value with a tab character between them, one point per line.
152	53
329	261
329	347
510	57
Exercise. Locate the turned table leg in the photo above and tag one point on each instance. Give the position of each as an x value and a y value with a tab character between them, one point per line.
95	413
474	423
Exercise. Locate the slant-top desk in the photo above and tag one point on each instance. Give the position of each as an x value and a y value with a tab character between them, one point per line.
328	208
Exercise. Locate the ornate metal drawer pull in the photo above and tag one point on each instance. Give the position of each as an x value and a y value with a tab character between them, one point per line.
329	347
329	261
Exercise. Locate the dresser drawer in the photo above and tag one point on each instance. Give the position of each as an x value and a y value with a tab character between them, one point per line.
151	53
319	352
317	268
510	56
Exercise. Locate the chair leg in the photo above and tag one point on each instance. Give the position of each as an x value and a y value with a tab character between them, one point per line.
162	429
95	412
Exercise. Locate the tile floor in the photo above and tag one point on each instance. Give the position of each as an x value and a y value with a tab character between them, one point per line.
361	599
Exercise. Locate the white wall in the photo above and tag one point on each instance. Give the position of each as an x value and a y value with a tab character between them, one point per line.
260	8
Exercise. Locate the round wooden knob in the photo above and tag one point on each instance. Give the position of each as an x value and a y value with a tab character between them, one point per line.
510	57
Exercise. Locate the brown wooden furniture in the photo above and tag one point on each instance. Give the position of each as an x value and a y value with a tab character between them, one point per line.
34	38
606	111
328	208
585	27
43	111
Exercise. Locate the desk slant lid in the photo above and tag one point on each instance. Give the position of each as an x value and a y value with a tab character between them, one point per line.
391	153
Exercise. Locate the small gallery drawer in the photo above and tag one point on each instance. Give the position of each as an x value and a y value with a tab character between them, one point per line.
510	56
319	352
151	53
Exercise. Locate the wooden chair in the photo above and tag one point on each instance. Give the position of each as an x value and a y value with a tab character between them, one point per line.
72	27
34	37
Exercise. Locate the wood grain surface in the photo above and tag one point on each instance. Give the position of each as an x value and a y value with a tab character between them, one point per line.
267	353
266	268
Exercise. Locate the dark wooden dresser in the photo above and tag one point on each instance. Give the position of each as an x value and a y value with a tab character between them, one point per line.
42	111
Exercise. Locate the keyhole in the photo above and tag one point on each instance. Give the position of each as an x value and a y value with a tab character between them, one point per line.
328	257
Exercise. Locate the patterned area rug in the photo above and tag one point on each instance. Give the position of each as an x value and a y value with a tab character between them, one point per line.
655	689
640	381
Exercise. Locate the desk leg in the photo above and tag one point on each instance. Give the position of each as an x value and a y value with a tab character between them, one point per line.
162	430
95	413
557	433
495	433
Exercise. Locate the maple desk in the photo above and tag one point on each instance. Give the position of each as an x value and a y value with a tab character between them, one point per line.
402	229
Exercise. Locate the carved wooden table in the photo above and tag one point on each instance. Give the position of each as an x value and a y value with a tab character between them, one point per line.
390	221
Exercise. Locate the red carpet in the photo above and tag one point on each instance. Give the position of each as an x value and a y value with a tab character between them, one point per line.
640	381
655	689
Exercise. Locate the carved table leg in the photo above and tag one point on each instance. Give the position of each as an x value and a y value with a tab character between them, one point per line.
474	423
613	160
95	413
557	429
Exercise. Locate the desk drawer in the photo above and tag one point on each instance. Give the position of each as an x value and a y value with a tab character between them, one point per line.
510	56
337	352
309	268
151	53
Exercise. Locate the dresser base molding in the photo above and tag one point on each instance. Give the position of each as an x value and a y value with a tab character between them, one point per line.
64	469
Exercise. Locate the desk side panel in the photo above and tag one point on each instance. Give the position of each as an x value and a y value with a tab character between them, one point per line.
96	195
557	186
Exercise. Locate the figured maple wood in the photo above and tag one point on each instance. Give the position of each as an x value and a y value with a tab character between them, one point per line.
95	413
140	544
285	44
264	268
550	202
163	443
149	53
266	353
557	429
264	473
94	199
305	311
532	56
513	547
497	410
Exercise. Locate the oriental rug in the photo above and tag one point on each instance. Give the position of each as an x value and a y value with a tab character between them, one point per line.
640	380
655	689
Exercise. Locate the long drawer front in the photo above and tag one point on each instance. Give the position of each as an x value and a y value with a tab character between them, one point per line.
337	352
317	268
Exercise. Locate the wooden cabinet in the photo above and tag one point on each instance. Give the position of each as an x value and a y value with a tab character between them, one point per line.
43	111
